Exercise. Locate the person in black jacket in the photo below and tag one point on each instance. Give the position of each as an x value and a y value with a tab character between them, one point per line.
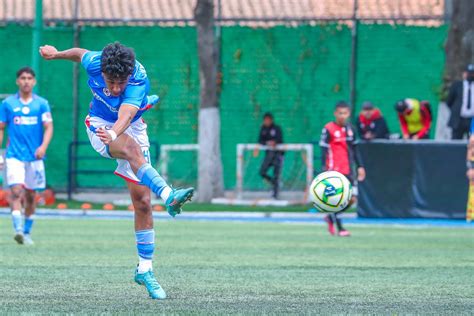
461	102
270	136
371	124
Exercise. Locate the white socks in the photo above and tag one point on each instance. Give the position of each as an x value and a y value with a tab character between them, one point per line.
17	221
145	265
165	194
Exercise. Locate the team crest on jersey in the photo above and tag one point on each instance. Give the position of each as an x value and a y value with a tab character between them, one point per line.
106	92
337	134
25	110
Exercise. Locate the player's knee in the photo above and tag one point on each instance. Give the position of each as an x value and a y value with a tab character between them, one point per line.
16	192
30	196
142	204
131	150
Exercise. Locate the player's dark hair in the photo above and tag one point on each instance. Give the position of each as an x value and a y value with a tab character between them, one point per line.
342	105
268	115
117	61
27	70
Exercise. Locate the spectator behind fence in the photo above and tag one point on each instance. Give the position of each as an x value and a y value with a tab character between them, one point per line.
461	102
371	124
271	135
415	118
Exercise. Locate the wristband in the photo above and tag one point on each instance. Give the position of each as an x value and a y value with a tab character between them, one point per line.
112	134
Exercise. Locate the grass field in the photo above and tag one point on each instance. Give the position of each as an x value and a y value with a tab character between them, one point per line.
86	266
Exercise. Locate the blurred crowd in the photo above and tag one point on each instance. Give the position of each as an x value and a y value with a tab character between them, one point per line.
415	116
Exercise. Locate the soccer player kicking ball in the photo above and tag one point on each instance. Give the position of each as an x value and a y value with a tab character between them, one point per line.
338	153
116	130
30	129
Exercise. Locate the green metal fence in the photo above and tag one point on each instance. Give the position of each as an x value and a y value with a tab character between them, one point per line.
298	73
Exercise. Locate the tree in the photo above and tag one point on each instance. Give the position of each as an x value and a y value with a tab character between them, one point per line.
210	178
460	43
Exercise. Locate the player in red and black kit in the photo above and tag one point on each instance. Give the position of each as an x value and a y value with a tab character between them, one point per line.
338	153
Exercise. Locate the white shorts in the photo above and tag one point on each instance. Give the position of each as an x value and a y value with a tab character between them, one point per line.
137	130
29	174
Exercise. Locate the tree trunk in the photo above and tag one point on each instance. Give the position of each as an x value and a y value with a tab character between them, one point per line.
210	178
460	43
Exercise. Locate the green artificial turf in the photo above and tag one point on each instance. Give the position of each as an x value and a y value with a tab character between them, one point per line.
86	266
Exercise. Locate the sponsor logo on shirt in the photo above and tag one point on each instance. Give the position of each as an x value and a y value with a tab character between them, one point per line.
98	98
25	120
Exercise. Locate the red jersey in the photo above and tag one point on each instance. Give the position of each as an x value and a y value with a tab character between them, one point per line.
337	147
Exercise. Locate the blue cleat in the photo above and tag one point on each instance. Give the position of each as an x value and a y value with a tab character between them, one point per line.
152	100
177	199
152	286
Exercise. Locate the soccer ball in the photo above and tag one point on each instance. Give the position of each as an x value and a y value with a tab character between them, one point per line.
330	191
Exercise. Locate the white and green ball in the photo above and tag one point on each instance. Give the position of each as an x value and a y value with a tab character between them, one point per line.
330	191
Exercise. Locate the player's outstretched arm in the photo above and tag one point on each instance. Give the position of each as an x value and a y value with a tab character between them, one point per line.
49	52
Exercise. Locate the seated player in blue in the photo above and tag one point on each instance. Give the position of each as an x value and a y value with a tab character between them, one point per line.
116	130
27	117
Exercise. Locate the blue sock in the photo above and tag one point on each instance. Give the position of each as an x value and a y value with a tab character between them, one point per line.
28	224
16	219
152	179
145	246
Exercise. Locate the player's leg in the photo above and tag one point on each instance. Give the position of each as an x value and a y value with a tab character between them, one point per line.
277	166
15	170
266	164
342	232
127	149
30	208
16	196
330	219
35	179
145	240
334	218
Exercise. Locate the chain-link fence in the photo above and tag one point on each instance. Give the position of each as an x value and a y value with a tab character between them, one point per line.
295	58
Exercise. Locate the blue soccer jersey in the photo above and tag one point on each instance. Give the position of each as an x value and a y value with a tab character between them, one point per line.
103	104
24	125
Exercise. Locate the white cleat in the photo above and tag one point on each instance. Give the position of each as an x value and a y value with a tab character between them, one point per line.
27	240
